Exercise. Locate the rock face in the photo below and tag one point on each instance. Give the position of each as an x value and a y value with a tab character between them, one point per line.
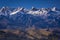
21	18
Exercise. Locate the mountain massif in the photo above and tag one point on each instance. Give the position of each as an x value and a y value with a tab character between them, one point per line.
29	24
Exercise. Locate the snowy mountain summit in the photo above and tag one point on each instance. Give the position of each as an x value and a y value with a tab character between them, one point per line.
33	11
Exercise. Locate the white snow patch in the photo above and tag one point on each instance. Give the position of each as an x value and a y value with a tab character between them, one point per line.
14	12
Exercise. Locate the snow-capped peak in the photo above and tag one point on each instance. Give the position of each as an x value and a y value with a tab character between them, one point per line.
54	9
18	10
33	11
42	11
2	9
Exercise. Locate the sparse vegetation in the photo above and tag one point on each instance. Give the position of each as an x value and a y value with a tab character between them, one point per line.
30	33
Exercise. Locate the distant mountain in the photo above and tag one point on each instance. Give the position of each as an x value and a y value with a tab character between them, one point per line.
21	18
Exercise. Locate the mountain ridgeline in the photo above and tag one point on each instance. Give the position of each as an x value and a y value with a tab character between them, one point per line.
21	18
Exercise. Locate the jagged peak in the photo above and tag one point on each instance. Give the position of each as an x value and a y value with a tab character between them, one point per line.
32	11
4	9
17	10
54	9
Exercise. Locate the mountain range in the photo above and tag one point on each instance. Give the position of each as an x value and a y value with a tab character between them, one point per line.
21	18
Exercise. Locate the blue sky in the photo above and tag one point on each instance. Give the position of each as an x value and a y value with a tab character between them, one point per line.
30	3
